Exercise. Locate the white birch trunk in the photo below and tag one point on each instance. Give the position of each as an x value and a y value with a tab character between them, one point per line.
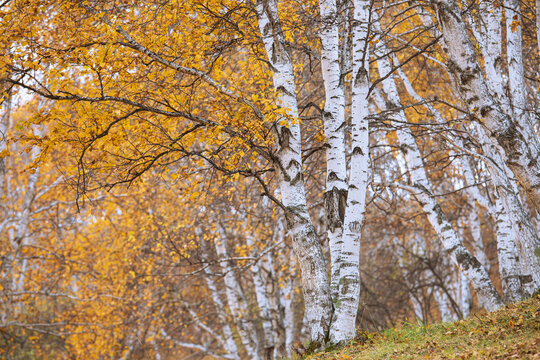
464	294
264	306
473	193
523	231
522	152
334	128
507	237
516	75
16	262
25	215
451	240
276	291
514	48
502	182
286	299
306	246
449	291
508	255
203	348
417	308
237	303
4	126
227	342
288	318
419	249
476	232
346	305
441	299
490	44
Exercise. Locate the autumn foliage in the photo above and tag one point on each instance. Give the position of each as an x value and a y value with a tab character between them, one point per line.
231	179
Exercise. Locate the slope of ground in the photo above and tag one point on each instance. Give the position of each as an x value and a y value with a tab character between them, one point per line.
510	333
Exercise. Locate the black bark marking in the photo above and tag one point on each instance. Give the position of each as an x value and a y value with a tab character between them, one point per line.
466	260
472	99
357	151
484	110
285	135
297	178
332	176
355	226
335	202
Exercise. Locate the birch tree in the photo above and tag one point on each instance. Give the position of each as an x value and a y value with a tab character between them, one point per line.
343	327
511	134
451	241
306	245
207	122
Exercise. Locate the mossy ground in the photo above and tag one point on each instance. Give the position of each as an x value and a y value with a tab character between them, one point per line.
510	333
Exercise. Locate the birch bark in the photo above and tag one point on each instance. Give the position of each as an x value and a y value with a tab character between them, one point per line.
451	241
228	342
21	238
279	292
346	306
306	246
508	255
4	126
441	299
286	301
334	129
285	293
237	303
415	296
264	306
490	45
288	293
507	238
464	294
523	231
521	152
516	75
476	232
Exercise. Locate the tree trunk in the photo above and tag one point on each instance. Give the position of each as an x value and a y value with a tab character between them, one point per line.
237	303
287	300
522	152
264	306
490	45
228	342
476	232
334	129
451	241
508	255
306	246
346	305
518	90
523	230
500	181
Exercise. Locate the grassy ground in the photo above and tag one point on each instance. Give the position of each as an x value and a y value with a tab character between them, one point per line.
510	333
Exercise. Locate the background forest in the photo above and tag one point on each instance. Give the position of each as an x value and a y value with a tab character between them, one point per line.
233	179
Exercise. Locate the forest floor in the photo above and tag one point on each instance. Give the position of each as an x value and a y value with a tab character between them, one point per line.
510	333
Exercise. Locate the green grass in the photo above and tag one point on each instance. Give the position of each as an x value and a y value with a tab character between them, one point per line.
510	333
